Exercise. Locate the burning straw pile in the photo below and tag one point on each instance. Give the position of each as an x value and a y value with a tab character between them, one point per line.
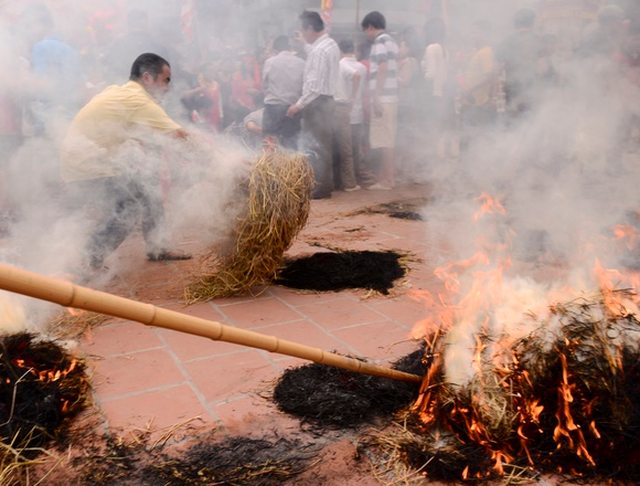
278	207
41	388
564	401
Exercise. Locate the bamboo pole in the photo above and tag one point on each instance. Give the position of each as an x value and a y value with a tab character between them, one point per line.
68	294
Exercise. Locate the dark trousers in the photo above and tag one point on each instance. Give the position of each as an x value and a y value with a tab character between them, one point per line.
285	129
117	204
317	119
344	166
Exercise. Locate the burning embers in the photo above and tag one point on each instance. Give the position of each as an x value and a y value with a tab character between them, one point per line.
517	385
41	386
567	401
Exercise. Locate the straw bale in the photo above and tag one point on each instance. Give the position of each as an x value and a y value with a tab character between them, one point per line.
569	401
277	209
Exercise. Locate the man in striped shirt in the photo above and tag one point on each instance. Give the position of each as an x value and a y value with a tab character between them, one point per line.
383	86
317	101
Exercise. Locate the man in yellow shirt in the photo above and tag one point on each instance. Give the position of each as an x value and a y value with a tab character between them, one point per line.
111	159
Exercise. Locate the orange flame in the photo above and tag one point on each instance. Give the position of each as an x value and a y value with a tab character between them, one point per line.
489	205
626	235
75	312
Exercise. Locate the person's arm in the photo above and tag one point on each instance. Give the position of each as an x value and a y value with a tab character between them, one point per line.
311	84
355	88
406	72
381	78
430	62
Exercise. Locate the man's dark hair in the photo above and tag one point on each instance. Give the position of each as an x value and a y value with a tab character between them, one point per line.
374	19
147	62
413	42
524	18
281	43
346	46
435	31
312	20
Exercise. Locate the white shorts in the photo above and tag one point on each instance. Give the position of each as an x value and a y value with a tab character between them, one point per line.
383	129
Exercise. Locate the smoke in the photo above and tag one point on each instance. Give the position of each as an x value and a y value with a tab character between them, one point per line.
42	228
561	172
565	176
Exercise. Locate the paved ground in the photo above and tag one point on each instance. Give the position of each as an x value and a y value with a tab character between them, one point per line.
155	379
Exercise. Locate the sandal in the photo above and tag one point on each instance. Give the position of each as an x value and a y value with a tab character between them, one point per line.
166	255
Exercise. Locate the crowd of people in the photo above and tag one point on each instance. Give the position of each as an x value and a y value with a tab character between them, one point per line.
367	115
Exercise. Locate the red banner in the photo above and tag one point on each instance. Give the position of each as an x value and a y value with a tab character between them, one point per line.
187	14
326	9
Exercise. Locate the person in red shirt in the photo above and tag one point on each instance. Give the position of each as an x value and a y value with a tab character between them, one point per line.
246	82
204	102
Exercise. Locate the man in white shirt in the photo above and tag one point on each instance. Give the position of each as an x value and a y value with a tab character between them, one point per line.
357	109
349	85
282	79
317	101
383	85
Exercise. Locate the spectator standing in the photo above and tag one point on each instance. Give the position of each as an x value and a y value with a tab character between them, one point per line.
349	82
225	81
479	113
606	37
439	102
410	96
282	78
357	115
523	57
109	159
57	74
383	87
246	82
317	101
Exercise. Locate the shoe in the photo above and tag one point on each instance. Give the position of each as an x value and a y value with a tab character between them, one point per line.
321	195
379	187
351	189
166	255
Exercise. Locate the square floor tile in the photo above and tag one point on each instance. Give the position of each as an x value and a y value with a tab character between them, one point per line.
135	372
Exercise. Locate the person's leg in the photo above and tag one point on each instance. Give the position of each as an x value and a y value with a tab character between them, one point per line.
118	211
318	119
383	138
342	134
290	130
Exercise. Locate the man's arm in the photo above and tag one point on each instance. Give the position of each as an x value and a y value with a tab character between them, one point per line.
355	87
381	77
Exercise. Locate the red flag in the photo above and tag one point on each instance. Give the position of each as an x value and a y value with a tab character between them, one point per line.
326	9
187	15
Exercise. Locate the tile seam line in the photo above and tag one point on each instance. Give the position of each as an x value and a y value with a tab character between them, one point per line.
189	379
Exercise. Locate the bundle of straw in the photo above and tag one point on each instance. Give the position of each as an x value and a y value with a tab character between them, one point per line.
279	190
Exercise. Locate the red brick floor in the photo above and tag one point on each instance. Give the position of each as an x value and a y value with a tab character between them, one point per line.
148	377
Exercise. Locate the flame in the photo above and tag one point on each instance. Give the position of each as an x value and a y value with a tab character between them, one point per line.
469	320
626	235
489	205
610	279
75	312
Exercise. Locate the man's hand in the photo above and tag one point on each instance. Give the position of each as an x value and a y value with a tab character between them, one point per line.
293	111
298	37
